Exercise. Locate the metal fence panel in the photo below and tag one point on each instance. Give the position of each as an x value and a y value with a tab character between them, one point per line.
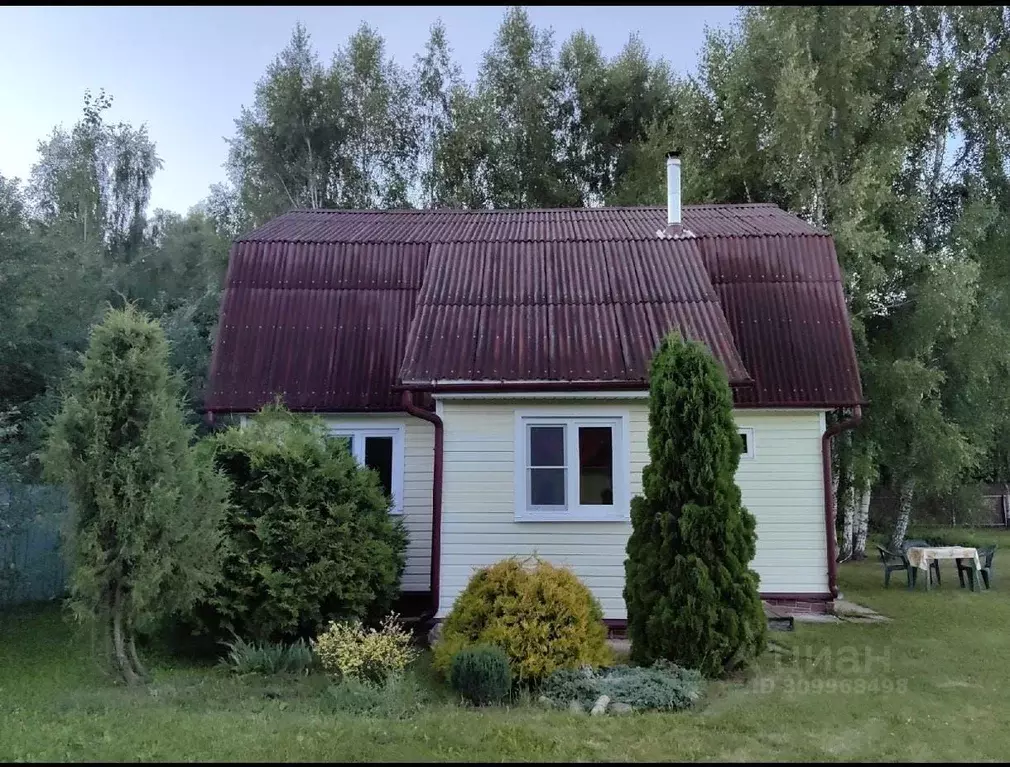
32	562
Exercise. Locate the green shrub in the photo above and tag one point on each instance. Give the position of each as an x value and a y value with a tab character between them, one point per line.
269	657
691	596
481	674
369	655
663	687
542	616
309	538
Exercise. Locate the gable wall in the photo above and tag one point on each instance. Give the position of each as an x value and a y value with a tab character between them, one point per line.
782	486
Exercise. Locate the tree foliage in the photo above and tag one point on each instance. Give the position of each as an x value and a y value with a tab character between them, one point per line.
886	125
322	137
308	538
146	504
690	594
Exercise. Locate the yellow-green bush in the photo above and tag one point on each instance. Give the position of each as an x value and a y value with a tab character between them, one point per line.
371	655
542	616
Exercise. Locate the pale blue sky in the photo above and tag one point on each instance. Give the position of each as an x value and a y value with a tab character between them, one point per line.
186	71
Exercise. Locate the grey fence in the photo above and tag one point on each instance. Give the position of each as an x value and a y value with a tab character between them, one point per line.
32	563
984	505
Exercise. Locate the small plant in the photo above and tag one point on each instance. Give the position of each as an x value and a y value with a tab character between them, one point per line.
399	697
542	616
369	655
481	674
664	686
268	657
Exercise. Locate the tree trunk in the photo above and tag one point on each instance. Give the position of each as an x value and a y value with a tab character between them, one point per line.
862	524
131	652
119	641
905	494
848	524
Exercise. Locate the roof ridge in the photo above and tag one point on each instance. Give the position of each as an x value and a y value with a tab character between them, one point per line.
493	211
560	240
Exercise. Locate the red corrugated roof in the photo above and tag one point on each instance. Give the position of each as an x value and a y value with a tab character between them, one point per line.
333	308
324	325
548	311
784	301
542	225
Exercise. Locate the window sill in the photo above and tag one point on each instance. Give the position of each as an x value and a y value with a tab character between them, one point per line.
576	515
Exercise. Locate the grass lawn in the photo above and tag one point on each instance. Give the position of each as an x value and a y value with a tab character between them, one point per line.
930	685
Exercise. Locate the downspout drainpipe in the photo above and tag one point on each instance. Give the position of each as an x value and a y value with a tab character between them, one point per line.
829	496
436	495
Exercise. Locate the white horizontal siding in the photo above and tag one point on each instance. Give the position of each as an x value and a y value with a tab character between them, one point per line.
781	486
418	448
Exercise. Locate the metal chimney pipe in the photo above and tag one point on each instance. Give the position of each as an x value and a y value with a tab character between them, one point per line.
673	189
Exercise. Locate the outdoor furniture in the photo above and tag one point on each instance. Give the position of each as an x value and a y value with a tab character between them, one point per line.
892	562
985	560
926	558
935	564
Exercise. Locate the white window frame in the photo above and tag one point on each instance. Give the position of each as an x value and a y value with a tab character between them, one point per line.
747	432
358	432
572	419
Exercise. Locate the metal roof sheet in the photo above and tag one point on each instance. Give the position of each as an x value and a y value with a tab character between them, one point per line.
331	308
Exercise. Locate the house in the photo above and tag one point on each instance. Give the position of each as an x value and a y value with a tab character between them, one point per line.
492	366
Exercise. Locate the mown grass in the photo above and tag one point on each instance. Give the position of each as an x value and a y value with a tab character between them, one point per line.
930	685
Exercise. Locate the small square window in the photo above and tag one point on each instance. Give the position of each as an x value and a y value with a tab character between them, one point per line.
746	443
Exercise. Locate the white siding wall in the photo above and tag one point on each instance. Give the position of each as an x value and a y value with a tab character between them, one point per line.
781	485
419	441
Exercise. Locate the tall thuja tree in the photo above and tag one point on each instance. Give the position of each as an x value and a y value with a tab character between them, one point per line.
691	596
146	503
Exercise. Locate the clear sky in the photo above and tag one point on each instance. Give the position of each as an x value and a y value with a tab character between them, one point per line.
187	71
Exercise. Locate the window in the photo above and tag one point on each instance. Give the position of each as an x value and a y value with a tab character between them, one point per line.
571	468
380	449
747	438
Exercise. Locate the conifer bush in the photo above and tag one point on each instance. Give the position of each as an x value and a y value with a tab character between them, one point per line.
690	595
541	615
146	503
481	674
308	538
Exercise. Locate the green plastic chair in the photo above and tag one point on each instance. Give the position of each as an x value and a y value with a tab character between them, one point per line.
964	566
892	562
